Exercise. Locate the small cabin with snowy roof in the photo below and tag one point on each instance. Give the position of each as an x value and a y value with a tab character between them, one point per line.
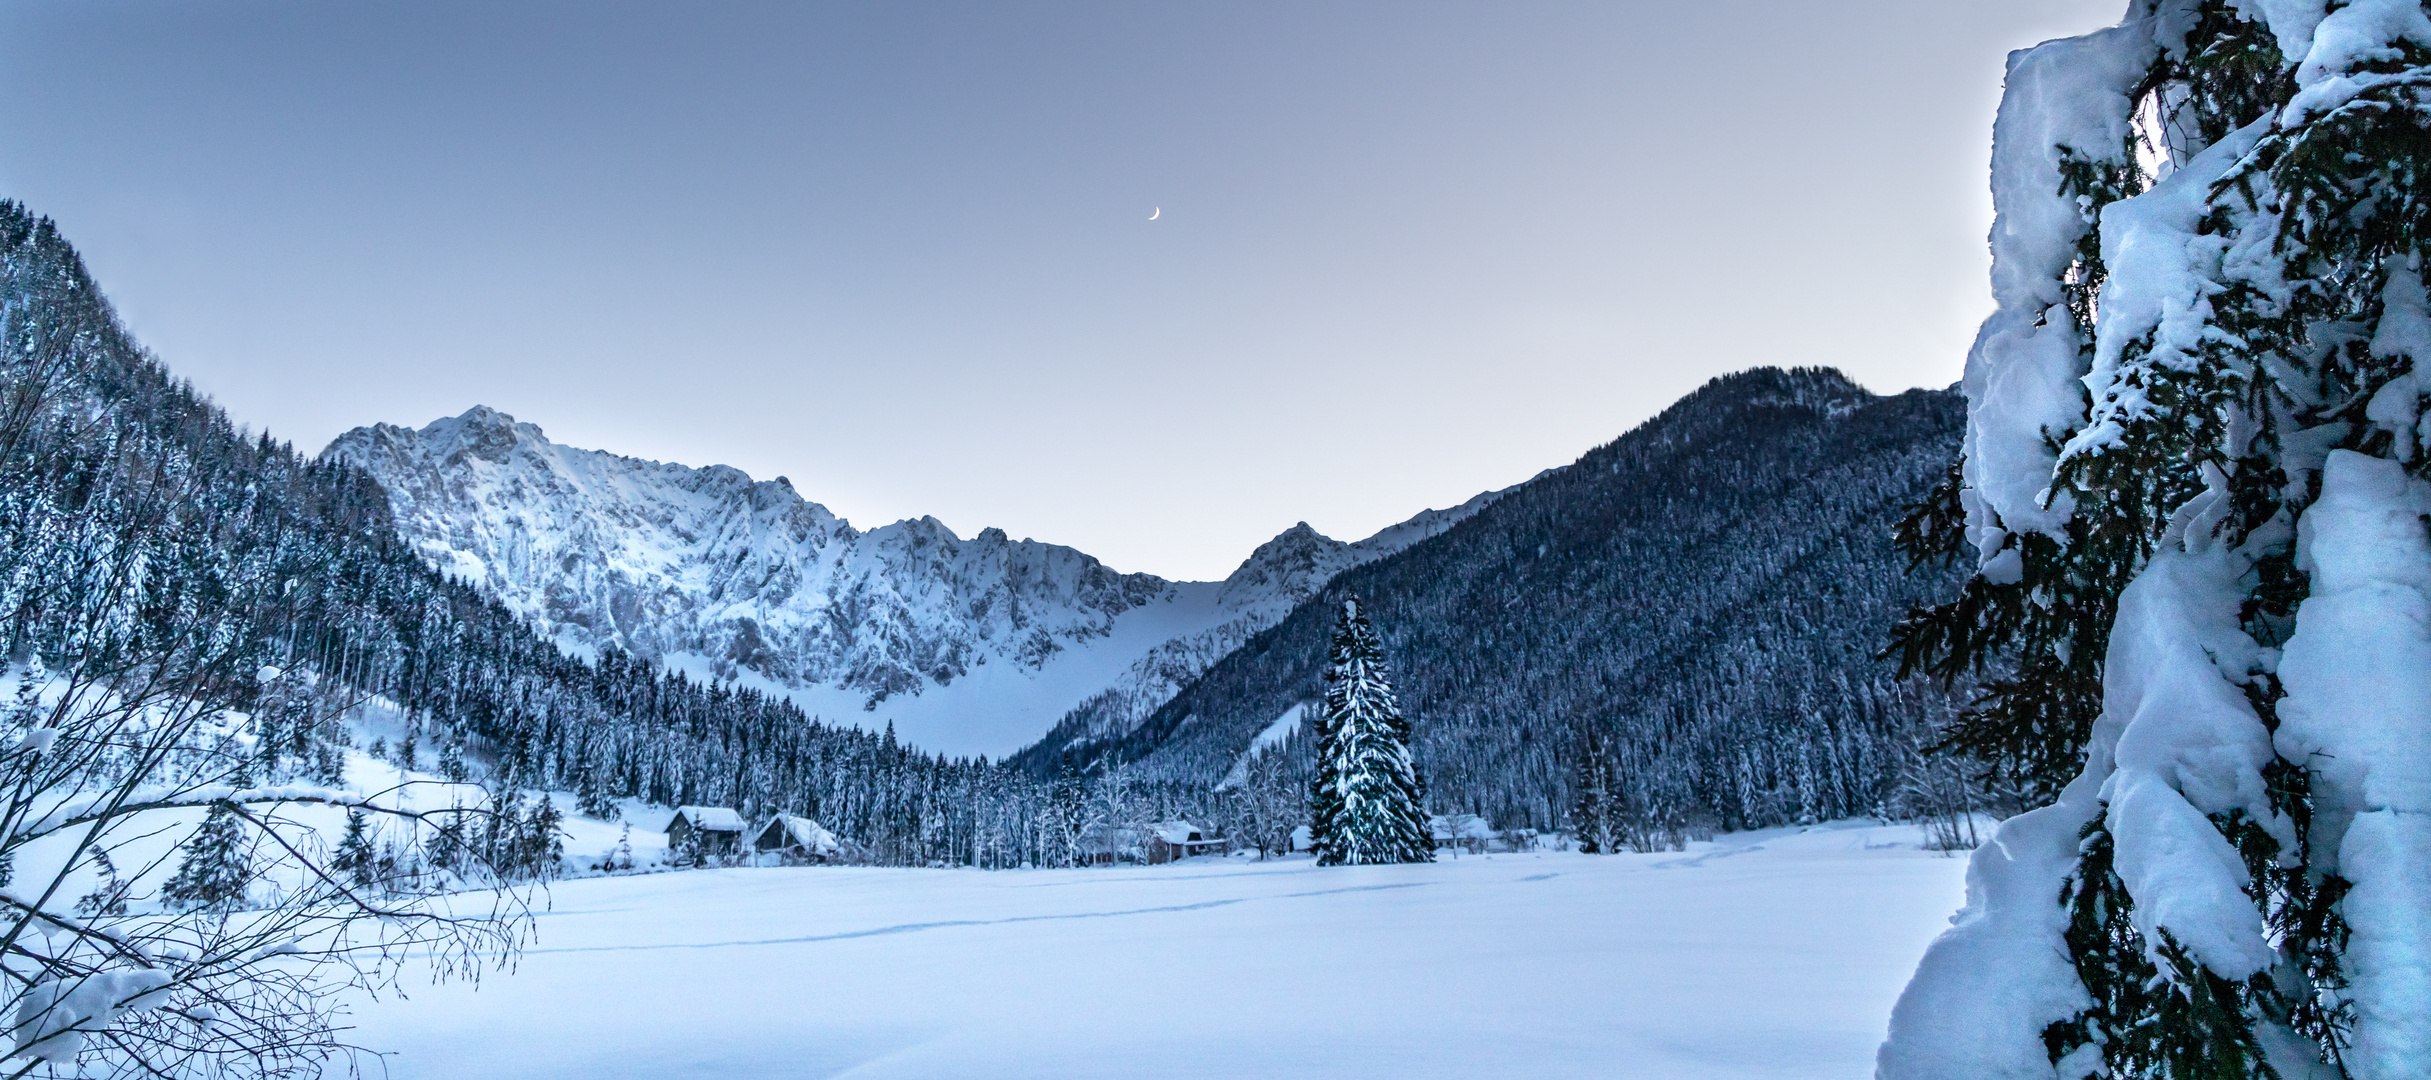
797	839
1461	832
710	831
1170	840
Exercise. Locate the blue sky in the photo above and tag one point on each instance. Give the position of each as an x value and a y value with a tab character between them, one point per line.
900	252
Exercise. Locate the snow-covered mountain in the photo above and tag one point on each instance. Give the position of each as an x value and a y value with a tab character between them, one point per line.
1709	588
975	645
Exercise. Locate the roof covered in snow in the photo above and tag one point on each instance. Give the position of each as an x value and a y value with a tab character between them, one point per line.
810	835
1176	832
1460	827
711	818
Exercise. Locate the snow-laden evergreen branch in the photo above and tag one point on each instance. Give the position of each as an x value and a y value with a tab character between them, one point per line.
2196	488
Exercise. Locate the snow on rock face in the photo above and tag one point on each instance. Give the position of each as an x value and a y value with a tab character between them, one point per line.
716	573
1274	579
659	558
2358	713
1273	735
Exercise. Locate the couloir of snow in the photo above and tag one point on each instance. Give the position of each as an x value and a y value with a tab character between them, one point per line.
1273	735
975	645
1774	954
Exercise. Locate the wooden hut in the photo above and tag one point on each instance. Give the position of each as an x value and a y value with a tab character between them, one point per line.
797	840
1170	840
706	832
1462	832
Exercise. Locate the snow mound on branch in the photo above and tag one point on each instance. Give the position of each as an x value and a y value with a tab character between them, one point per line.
2358	713
2188	745
55	1015
2021	378
2364	31
2291	21
2163	273
2161	758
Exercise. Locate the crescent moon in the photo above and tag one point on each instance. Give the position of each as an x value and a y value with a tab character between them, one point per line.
1153	213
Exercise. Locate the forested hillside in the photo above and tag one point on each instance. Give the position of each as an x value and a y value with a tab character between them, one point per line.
141	529
1687	616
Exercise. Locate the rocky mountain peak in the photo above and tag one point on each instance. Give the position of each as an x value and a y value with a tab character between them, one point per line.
708	570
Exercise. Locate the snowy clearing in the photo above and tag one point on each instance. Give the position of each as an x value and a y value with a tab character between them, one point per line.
1773	954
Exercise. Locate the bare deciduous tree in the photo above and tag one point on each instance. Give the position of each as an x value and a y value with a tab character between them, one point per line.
121	774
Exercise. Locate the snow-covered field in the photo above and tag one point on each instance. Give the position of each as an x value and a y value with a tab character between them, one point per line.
1773	954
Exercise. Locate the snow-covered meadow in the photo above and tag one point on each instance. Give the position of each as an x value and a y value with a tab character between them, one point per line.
1773	954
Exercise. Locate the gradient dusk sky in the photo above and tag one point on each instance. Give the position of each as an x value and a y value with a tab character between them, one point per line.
901	252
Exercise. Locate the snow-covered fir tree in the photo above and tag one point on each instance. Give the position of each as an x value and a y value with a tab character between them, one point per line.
1368	802
592	797
2202	603
214	868
1594	813
355	859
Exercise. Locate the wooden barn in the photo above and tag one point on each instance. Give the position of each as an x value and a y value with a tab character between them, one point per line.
706	832
1170	840
1162	842
797	840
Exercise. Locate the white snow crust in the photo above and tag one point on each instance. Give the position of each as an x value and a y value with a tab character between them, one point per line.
1765	955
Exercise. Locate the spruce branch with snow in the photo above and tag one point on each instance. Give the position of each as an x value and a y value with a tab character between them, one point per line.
2194	487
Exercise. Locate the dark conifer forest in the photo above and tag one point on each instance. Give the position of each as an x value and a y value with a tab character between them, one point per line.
1689	613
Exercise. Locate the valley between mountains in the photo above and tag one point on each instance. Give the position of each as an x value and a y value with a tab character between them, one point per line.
1727	565
966	646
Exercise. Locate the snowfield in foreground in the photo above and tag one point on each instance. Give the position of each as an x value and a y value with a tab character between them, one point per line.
1773	954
